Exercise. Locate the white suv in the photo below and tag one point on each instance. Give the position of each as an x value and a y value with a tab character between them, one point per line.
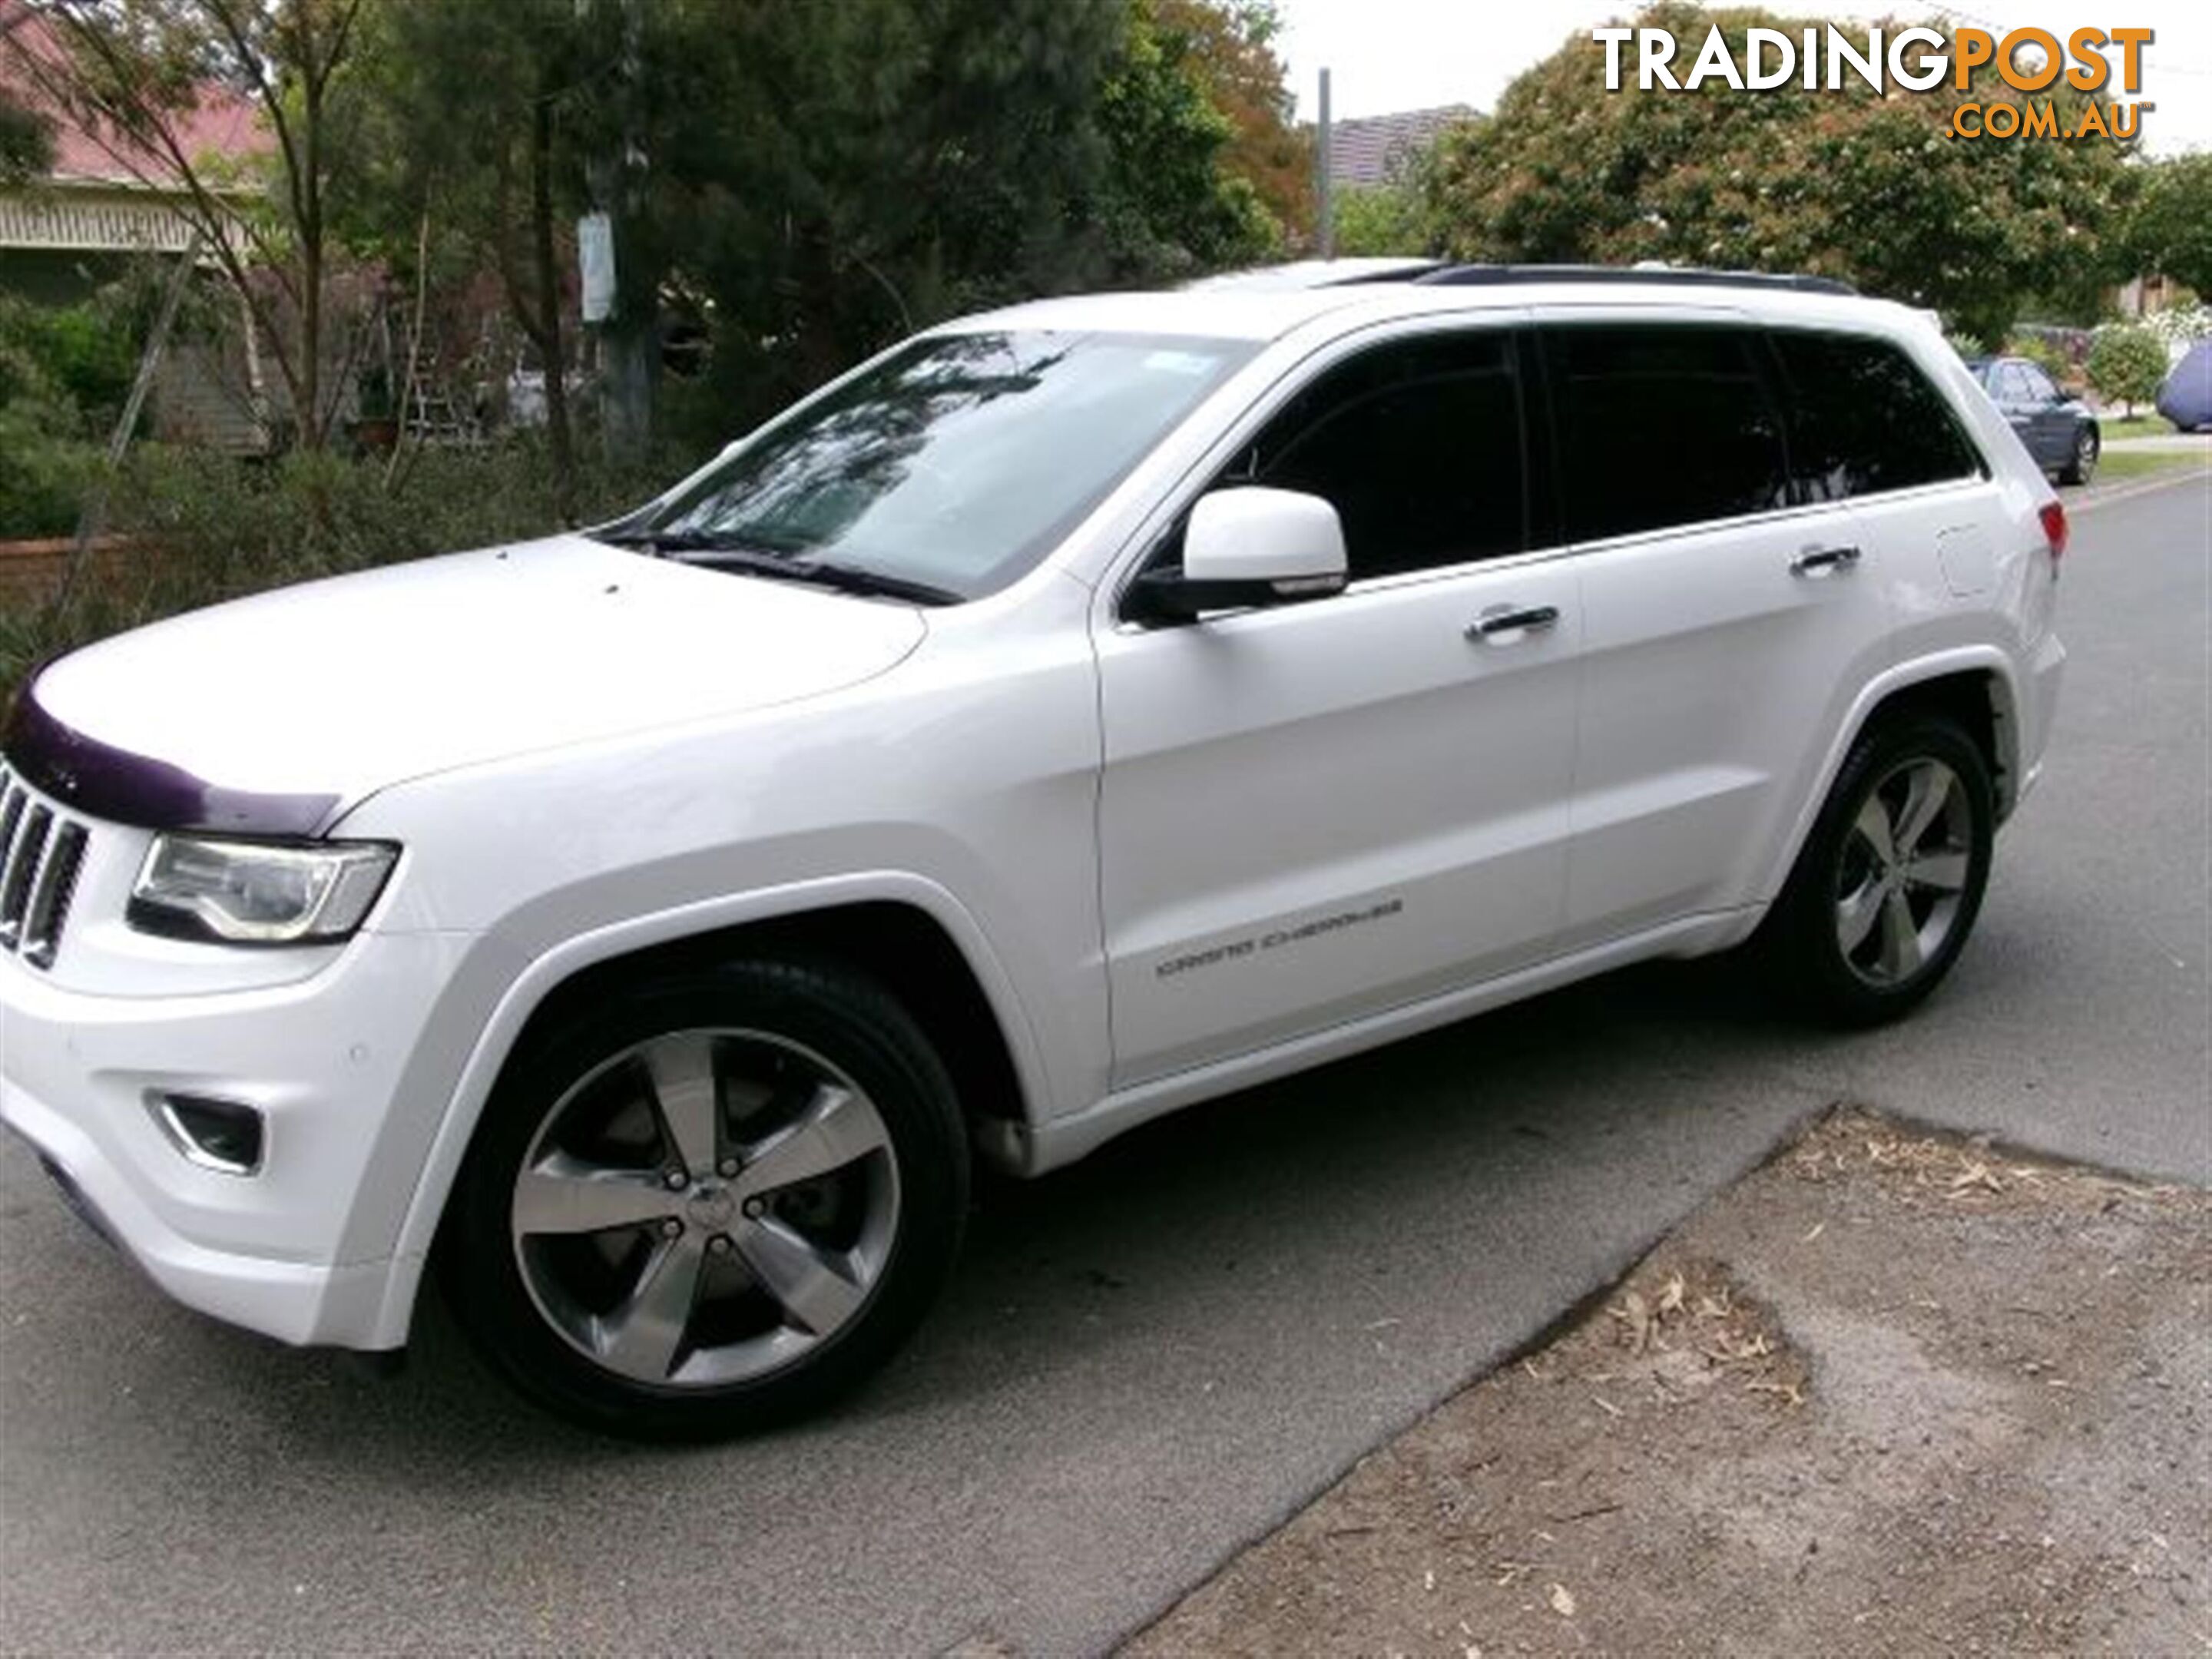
1073	712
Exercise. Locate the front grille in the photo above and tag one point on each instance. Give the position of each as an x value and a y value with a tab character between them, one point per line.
40	854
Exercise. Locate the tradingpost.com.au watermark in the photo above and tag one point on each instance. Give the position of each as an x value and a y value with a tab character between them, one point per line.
1918	60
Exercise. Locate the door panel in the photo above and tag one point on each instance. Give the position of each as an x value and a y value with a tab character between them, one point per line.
1712	667
1723	613
1317	812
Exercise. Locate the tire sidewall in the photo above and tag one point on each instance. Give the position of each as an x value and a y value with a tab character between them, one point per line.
846	1020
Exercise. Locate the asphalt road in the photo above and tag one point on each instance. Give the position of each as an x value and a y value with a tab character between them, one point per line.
1153	1358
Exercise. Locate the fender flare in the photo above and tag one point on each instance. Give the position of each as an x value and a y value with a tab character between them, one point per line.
495	1042
1902	677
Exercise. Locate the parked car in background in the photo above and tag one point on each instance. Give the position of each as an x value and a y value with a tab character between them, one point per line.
2058	429
1073	713
2185	399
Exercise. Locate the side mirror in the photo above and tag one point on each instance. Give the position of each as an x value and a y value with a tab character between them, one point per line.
1243	547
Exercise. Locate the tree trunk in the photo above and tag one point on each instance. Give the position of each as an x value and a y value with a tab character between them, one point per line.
549	347
308	191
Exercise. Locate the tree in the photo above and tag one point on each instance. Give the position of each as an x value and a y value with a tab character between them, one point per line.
1229	47
2126	365
133	77
1173	209
26	142
2170	233
478	118
809	181
1846	182
1382	219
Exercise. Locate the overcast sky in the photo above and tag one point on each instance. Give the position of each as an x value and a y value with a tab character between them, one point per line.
1387	55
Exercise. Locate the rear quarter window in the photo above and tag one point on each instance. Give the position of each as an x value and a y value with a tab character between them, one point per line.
1863	419
1661	425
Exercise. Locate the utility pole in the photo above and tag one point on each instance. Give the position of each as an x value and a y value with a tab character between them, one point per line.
630	328
1324	202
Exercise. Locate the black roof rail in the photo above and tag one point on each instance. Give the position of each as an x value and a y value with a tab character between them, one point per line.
1411	273
1669	276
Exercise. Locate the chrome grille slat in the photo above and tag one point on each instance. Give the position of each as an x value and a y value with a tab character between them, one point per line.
22	865
11	810
41	855
51	895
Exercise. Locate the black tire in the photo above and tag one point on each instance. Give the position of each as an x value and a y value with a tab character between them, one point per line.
828	1012
2082	466
1802	939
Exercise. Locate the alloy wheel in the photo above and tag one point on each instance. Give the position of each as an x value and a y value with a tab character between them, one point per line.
1903	876
705	1207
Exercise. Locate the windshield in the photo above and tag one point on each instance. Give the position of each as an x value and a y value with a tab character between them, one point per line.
955	464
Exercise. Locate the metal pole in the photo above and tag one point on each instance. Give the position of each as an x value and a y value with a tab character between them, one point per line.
1324	213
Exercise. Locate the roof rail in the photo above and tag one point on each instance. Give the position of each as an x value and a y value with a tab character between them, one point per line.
1672	275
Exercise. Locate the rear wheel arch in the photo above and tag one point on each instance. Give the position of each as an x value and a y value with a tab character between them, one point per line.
1979	701
1978	698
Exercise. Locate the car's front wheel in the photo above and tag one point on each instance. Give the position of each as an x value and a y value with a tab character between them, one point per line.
714	1203
1888	884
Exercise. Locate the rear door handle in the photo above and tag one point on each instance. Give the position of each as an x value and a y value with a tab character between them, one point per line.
1502	624
1819	561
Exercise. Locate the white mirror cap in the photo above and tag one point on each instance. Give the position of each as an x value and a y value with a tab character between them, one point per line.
1255	535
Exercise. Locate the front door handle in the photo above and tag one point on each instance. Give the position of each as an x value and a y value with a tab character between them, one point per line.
1819	561
1502	624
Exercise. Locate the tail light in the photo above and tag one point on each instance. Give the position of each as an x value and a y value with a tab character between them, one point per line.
2053	515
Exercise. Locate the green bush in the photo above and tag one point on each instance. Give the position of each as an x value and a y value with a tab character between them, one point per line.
2127	365
64	373
202	528
42	475
2047	355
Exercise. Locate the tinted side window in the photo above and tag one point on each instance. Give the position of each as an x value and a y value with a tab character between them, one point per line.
1862	418
2039	389
1661	425
1417	444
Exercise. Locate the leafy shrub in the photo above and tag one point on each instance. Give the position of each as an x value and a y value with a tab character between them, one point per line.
2046	355
42	475
64	373
2127	364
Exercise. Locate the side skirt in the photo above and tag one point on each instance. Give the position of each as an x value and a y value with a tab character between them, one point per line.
1035	1148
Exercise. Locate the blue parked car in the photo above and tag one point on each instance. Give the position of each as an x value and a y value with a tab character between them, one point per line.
2059	431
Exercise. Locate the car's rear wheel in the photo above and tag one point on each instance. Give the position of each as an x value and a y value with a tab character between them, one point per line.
1889	883
2082	466
714	1203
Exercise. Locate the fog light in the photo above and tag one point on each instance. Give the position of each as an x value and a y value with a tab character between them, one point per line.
215	1134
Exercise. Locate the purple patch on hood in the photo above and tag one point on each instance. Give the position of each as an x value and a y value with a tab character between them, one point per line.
103	782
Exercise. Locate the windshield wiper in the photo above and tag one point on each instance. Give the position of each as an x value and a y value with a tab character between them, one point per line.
717	553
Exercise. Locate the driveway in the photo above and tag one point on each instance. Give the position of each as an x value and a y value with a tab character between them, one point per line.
1152	1358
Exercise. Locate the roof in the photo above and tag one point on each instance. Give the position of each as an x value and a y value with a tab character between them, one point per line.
1270	314
1312	273
219	123
1372	149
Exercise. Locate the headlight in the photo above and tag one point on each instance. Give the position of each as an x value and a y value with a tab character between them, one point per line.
243	892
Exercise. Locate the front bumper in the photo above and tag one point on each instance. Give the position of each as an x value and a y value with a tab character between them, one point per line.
301	1250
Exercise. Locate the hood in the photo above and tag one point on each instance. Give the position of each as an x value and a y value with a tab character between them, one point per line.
268	715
